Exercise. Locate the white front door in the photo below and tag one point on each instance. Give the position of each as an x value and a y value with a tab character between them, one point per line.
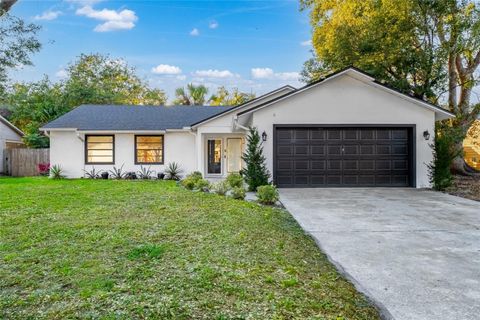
234	154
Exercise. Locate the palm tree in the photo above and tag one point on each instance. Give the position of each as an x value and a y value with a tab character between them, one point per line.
193	96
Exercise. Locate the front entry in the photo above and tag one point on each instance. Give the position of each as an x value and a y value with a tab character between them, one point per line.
343	156
223	155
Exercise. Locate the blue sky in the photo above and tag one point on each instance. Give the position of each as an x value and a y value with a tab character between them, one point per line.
253	45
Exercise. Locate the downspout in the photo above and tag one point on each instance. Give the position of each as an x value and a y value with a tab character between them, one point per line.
237	125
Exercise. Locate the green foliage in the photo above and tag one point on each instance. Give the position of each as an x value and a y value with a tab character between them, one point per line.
221	187
444	153
225	98
202	185
56	172
145	173
117	173
18	41
92	79
173	171
93	173
255	172
191	179
235	180
193	96
238	193
267	194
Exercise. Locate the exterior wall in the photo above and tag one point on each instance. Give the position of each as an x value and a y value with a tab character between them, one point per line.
345	100
68	151
6	134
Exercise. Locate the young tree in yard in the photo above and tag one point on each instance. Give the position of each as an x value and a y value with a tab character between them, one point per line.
429	49
255	172
225	98
193	96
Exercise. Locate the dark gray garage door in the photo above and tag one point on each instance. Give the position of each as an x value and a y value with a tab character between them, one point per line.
343	157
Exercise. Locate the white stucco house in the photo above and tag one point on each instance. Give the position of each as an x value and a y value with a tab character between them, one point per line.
345	130
10	137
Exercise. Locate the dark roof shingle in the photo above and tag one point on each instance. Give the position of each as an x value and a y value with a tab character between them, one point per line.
120	117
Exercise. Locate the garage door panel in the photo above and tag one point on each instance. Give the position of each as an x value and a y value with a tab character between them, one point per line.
333	157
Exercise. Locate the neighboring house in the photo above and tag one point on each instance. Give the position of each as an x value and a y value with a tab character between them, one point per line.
345	130
471	149
10	137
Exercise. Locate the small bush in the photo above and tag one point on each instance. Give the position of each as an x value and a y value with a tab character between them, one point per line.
235	180
44	169
56	172
221	187
191	180
197	175
202	185
93	173
267	194
173	171
145	173
117	173
239	193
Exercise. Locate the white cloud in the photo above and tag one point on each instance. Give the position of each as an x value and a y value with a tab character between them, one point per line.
48	15
181	77
267	73
166	69
213	24
114	20
62	73
195	32
306	43
215	74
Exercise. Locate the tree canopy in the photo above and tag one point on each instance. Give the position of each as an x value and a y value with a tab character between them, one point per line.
223	97
194	95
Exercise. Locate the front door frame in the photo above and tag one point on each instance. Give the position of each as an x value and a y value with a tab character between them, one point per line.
224	138
411	136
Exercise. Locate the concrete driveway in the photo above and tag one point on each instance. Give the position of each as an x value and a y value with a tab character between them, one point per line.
415	253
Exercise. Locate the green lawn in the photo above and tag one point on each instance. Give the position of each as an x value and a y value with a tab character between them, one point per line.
148	249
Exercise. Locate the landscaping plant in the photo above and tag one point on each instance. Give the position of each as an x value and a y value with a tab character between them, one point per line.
221	187
235	180
238	193
173	171
145	173
255	172
191	179
444	153
117	173
93	173
44	169
267	194
202	185
56	172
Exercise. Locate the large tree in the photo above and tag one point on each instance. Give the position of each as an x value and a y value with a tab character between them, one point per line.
99	79
194	95
427	48
93	79
18	40
223	97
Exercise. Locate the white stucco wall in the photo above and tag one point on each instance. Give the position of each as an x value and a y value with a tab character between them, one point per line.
346	100
6	134
67	150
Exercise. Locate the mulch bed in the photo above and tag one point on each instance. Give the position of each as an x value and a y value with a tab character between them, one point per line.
466	187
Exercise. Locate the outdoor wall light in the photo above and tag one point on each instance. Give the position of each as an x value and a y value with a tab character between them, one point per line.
264	136
426	135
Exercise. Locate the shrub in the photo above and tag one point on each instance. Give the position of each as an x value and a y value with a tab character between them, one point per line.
44	169
202	185
145	173
255	171
197	175
444	153
93	173
173	171
235	180
191	179
56	172
117	173
221	187
239	193
267	194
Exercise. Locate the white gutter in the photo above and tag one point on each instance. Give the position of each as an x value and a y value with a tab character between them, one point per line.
237	125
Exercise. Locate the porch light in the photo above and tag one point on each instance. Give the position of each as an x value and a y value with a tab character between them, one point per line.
426	135
264	136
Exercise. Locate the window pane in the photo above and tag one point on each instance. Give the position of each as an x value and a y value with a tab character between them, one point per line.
149	149
214	156
99	149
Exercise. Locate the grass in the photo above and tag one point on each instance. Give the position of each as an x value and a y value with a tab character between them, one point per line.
101	249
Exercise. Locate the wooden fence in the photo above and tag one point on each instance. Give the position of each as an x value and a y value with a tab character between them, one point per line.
24	162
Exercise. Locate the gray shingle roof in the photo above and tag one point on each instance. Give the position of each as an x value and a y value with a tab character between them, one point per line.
115	117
